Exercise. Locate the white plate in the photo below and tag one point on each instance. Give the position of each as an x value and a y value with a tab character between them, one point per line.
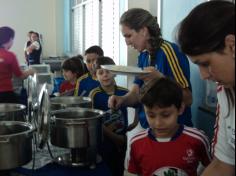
124	70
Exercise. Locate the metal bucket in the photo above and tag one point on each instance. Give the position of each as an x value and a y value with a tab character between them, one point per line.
15	144
12	112
59	103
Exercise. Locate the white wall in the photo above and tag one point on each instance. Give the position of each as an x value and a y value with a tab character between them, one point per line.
43	16
171	20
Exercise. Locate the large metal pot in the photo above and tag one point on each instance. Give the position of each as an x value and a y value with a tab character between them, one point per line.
15	144
12	112
76	128
59	103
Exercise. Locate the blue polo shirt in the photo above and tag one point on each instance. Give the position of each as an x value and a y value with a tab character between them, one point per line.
171	62
86	83
100	101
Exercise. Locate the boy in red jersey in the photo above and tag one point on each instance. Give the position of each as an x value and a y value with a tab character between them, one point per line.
167	148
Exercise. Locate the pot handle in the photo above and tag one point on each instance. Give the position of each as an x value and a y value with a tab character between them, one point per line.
4	141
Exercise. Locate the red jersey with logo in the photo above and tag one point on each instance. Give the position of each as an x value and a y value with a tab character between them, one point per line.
66	86
9	66
180	156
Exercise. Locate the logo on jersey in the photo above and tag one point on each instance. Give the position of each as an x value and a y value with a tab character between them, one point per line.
190	156
169	171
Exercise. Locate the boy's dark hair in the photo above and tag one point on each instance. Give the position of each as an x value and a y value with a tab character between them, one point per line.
95	49
75	65
163	93
103	61
6	33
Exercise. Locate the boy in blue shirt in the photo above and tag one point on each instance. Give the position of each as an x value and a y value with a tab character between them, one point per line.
115	124
88	82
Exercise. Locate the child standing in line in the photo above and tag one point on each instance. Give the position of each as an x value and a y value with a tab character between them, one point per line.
167	148
115	125
73	69
88	81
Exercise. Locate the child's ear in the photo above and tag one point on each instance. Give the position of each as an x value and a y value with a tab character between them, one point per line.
230	43
181	109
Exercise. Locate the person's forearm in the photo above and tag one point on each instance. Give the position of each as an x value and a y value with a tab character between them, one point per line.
26	74
218	168
131	99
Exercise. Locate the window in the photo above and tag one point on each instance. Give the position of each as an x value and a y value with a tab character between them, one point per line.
77	37
110	31
96	22
85	21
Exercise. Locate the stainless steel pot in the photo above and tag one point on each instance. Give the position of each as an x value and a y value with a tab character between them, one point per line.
76	128
59	103
15	144
12	112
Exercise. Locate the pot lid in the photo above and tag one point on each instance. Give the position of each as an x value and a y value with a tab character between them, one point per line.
14	128
69	100
10	107
72	115
43	117
32	89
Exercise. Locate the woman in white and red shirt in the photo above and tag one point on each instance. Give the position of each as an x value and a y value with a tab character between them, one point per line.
207	36
9	66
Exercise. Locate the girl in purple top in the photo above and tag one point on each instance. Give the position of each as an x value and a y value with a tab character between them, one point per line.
9	66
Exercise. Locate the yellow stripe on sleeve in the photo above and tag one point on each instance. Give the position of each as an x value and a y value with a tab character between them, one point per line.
175	67
93	93
76	92
178	66
122	88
